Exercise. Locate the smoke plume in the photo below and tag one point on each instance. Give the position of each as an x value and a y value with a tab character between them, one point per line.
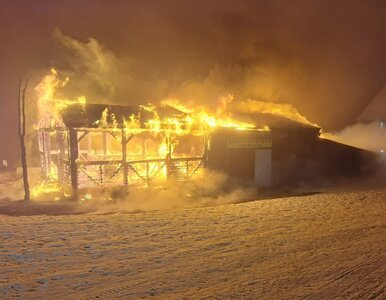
365	136
213	188
91	68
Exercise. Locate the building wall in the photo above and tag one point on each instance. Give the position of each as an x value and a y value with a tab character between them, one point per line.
234	152
263	167
297	156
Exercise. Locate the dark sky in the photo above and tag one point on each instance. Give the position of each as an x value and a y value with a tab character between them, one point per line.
325	57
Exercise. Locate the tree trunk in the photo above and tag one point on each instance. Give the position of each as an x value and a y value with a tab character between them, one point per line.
21	103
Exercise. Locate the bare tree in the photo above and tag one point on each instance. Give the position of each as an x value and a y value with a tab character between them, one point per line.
21	104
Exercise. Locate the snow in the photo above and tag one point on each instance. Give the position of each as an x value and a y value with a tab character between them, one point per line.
320	246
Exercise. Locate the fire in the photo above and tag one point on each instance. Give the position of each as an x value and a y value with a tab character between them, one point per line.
200	117
279	109
175	103
49	103
103	122
47	189
163	150
152	145
188	121
132	123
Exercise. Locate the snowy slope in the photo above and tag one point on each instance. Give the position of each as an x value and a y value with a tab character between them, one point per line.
324	246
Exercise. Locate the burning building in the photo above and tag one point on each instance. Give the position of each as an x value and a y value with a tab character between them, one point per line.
85	145
89	145
104	145
111	145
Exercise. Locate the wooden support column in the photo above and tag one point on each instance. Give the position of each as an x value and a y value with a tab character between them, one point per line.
43	154
143	148
89	145
124	157
60	151
206	150
169	171
104	141
147	174
47	144
74	154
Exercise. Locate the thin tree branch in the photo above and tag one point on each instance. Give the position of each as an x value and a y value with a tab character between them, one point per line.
21	118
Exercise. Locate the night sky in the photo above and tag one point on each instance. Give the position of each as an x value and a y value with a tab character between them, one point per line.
325	57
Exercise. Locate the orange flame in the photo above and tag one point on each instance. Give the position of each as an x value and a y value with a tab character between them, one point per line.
49	103
278	109
199	117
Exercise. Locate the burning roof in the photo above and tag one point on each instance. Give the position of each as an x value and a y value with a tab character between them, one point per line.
57	110
93	115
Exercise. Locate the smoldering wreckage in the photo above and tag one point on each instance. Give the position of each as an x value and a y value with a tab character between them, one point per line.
85	146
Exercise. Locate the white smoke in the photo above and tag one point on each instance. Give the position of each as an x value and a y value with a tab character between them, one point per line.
365	136
212	188
92	69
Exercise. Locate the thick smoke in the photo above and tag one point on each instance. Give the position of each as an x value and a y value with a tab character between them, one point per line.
365	136
91	68
199	51
324	57
104	77
212	188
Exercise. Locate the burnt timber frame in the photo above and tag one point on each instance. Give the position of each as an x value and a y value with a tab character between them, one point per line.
64	161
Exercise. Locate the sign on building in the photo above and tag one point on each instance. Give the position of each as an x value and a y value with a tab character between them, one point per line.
249	143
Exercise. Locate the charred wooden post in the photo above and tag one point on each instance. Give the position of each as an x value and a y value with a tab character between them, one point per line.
47	144
74	154
206	150
60	149
47	153
89	143
101	174
143	149
104	144
169	164
147	174
124	157
42	154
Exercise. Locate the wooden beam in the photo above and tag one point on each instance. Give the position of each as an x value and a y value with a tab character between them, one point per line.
74	154
124	157
83	136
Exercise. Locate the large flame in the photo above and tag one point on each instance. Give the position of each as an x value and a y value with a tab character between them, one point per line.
189	120
50	104
279	109
48	189
204	119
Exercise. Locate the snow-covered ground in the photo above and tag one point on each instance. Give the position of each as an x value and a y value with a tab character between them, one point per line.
321	246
